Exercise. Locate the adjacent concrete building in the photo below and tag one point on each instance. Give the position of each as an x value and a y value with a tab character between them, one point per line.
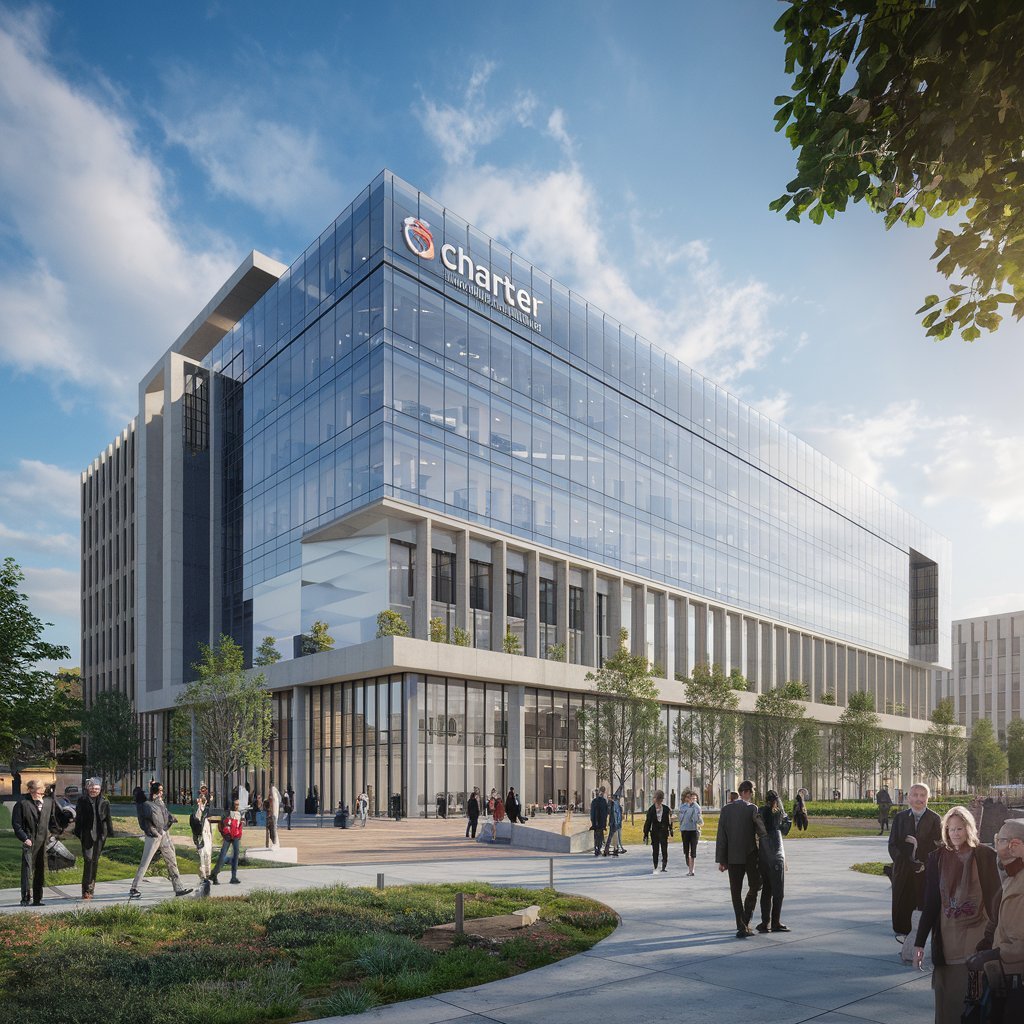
412	417
984	680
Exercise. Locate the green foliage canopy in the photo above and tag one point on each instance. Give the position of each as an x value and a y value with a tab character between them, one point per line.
860	740
622	730
917	109
233	711
34	704
113	734
942	751
706	737
986	762
1015	750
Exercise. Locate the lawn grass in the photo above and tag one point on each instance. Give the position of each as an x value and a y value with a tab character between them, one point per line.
121	857
831	828
5	818
870	867
268	957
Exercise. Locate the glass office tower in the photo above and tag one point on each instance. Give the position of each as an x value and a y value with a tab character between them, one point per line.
412	417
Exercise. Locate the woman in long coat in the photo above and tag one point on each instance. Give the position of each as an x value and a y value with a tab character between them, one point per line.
772	858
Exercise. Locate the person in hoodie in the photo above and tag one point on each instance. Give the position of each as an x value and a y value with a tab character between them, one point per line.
156	821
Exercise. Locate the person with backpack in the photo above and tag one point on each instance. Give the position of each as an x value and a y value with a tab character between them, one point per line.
231	832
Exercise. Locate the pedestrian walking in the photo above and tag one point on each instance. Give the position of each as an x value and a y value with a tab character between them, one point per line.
691	821
884	802
613	844
202	834
286	808
231	829
962	894
272	808
34	819
472	813
800	818
772	861
362	808
598	819
93	827
658	827
915	833
739	826
513	808
156	821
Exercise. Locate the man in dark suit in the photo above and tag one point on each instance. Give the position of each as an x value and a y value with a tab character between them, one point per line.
93	827
34	818
914	834
599	819
739	825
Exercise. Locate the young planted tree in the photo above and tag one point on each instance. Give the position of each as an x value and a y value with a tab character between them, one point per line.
768	735
890	754
391	623
267	652
233	713
318	639
178	752
807	751
622	730
712	724
860	737
986	762
112	731
941	752
1015	750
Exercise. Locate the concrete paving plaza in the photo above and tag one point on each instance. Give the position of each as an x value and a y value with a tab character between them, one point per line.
675	956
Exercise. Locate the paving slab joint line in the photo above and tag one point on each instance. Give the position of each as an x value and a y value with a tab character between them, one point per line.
891	988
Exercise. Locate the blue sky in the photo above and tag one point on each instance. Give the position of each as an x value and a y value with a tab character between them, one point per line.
629	151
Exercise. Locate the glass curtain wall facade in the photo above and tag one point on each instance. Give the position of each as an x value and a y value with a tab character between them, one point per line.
407	357
369	371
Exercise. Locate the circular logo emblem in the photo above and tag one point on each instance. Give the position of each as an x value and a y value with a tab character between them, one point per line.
418	238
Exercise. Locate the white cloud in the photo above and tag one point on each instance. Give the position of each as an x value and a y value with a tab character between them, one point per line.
975	464
38	487
112	281
52	592
64	544
688	305
275	167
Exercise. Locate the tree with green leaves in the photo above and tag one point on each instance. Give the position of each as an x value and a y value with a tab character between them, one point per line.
711	725
917	109
859	740
178	751
941	752
391	623
768	735
318	639
807	751
1015	750
31	699
112	731
233	712
986	762
267	652
890	754
622	730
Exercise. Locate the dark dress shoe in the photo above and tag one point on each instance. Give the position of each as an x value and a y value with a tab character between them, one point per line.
743	933
26	902
763	928
182	892
780	928
38	903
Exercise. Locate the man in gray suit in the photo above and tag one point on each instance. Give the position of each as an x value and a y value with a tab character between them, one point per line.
739	825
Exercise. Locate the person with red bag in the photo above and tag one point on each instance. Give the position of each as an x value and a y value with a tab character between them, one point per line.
231	831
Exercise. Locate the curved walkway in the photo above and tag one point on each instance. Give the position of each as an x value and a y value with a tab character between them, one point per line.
674	957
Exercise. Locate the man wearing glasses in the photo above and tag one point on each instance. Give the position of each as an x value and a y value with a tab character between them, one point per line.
1008	940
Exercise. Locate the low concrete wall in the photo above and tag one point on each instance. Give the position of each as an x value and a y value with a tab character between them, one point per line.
526	838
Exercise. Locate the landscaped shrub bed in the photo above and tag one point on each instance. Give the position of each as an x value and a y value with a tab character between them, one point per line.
272	957
868	808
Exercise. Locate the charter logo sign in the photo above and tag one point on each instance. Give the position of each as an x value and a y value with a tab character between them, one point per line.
496	290
418	238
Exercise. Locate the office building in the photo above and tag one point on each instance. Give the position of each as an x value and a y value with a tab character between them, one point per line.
411	417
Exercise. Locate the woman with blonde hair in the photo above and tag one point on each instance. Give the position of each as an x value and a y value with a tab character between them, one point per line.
961	894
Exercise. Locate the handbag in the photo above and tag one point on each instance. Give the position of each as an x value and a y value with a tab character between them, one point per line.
785	825
974	1011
